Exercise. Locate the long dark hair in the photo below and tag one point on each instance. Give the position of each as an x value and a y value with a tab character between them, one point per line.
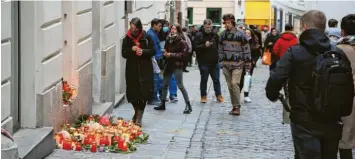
253	36
137	22
178	29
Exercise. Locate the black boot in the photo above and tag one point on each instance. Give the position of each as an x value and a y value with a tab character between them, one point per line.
140	112
188	108
161	106
134	118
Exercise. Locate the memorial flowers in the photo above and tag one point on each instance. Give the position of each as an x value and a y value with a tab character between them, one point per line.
67	93
100	134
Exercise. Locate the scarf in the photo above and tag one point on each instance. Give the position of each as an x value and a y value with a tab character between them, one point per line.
135	38
172	37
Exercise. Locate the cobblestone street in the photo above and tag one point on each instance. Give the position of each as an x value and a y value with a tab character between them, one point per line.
209	132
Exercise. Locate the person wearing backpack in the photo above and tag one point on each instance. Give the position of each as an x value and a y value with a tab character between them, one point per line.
347	44
321	89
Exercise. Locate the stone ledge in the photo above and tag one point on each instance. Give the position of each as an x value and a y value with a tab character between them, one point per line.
34	143
107	108
119	98
102	108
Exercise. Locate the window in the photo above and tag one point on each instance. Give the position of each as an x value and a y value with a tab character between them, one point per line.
215	14
239	3
190	15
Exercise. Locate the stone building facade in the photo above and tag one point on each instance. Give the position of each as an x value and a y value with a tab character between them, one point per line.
45	42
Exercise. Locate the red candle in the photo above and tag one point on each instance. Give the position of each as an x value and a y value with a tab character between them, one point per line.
67	145
78	147
86	141
124	146
93	147
104	140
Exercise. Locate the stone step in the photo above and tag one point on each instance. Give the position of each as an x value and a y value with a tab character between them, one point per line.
34	143
102	108
9	149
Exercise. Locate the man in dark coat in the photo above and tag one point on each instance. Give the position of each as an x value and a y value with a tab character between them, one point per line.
206	47
313	136
138	49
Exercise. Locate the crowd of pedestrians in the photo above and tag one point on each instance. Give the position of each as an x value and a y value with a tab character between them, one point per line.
315	71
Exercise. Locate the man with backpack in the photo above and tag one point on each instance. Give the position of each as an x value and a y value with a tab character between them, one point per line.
347	44
321	89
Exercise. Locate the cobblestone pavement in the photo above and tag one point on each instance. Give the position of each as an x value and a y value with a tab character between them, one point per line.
208	132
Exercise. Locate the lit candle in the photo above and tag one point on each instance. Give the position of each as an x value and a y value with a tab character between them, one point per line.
93	147
67	145
78	147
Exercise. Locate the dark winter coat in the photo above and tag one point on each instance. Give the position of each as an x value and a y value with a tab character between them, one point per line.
179	50
206	55
294	66
139	69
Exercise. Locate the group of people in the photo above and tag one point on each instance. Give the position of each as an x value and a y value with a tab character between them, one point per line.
317	70
159	55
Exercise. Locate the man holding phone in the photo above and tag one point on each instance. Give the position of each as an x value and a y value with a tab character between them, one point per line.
206	47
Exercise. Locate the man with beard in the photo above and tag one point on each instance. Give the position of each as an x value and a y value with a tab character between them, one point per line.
206	47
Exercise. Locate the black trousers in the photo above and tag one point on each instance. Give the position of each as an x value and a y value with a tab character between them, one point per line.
315	141
346	154
188	60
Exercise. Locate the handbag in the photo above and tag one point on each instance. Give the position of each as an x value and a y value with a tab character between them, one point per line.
266	60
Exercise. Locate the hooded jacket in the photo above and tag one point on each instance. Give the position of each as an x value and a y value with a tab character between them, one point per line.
294	66
286	40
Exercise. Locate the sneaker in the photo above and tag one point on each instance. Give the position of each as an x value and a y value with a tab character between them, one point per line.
153	102
174	99
204	99
247	100
220	99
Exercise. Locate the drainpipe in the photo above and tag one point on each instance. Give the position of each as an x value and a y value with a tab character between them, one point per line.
172	12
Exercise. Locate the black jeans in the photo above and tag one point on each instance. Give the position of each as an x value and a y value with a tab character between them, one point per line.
214	72
316	141
345	154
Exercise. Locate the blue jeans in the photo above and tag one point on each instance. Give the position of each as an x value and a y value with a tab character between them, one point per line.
172	87
158	85
214	72
316	141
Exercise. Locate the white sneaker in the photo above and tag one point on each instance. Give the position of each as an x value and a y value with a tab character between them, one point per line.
247	100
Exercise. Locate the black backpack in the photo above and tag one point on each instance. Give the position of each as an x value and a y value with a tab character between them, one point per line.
333	89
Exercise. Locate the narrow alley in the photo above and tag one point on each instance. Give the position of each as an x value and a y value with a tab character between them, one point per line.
208	132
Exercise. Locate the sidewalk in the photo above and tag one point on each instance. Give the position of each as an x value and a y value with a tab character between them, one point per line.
209	132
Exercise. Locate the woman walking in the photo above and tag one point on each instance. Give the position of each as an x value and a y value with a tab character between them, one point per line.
255	53
138	49
175	51
269	45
